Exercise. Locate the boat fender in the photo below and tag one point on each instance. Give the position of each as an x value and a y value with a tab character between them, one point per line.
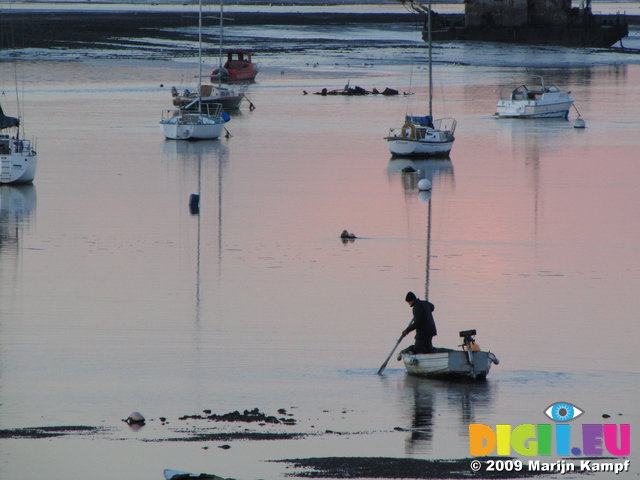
493	358
194	204
409	130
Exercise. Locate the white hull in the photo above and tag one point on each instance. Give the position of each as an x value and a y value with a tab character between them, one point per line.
450	364
400	147
192	132
18	161
546	102
179	125
533	110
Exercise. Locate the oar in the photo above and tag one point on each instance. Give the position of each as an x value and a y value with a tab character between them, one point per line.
384	365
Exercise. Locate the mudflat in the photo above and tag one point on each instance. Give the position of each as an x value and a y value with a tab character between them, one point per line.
106	29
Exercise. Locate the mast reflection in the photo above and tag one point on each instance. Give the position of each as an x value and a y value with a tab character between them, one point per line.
443	409
17	207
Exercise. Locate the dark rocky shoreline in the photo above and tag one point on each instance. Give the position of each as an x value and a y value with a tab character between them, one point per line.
110	29
119	29
311	467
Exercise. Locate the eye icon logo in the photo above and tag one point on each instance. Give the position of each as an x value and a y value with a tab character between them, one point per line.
563	412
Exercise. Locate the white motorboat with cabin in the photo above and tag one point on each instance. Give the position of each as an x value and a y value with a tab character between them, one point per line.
18	157
470	362
543	102
422	136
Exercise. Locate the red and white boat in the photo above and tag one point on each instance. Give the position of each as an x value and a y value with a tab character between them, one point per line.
237	68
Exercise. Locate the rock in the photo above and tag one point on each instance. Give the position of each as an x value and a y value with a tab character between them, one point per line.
135	418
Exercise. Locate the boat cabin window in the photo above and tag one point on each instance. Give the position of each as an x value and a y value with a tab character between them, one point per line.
5	146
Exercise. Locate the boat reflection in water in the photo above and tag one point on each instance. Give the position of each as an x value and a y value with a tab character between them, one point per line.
412	171
17	206
442	410
200	169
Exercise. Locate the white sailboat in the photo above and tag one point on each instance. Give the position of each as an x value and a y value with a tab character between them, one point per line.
229	98
422	136
195	120
18	157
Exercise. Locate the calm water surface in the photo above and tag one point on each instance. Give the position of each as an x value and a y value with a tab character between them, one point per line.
114	298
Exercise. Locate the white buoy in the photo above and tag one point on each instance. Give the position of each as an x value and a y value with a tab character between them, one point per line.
579	123
424	195
424	184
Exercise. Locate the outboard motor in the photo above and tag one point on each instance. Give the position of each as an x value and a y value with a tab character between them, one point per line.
469	345
469	341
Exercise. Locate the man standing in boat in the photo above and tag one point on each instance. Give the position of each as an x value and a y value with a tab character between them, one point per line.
422	323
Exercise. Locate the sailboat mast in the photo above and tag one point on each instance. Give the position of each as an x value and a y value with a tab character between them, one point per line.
430	68
426	282
199	55
220	48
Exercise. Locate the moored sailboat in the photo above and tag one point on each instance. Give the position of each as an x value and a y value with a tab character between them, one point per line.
18	157
194	120
229	97
422	136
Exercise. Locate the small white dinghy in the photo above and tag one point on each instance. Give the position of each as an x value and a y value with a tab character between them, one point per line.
469	362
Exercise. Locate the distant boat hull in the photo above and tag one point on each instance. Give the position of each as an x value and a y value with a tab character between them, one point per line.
179	125
545	102
473	365
18	161
245	74
229	98
400	147
237	68
533	110
191	132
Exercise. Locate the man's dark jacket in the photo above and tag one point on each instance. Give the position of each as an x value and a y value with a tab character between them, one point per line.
423	322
